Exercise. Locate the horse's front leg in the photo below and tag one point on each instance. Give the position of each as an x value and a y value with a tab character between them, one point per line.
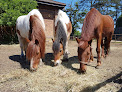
82	68
91	55
22	54
65	56
102	46
98	52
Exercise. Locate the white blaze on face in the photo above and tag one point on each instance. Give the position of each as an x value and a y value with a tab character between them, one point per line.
31	64
58	62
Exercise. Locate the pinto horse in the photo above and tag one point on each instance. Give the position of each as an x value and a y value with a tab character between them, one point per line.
97	26
30	31
63	29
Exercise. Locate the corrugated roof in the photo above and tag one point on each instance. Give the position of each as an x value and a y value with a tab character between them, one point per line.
51	2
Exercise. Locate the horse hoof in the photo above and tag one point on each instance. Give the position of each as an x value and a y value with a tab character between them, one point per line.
81	71
103	56
97	67
106	55
33	70
65	60
91	61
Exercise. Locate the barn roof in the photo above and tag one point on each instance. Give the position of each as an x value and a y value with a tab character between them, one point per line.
51	3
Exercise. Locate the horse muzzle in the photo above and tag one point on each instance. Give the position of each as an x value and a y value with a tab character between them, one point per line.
57	62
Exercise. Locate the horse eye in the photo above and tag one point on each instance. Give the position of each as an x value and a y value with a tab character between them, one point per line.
37	53
88	53
60	50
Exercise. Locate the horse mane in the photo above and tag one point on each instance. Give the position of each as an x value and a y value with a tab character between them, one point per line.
60	36
56	47
89	24
63	16
38	33
31	50
36	11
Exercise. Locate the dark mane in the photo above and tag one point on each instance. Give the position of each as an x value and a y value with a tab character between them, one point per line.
38	33
56	47
89	24
60	36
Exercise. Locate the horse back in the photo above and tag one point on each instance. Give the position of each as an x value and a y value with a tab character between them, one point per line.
22	26
108	24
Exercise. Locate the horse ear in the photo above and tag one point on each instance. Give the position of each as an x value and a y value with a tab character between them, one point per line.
77	39
36	42
53	40
27	40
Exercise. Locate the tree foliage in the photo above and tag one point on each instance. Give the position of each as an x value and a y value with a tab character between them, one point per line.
76	16
106	7
11	9
119	22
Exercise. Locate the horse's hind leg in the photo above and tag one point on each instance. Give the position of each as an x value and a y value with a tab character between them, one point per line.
102	46
107	45
65	56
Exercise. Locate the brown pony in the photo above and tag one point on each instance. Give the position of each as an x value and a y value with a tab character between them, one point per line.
36	47
96	26
32	39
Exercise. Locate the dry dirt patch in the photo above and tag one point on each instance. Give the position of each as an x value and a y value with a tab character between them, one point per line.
15	76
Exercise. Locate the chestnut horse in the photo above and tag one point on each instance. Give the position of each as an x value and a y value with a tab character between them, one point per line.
30	31
97	26
63	29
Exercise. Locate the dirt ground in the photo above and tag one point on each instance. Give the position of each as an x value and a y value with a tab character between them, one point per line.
16	77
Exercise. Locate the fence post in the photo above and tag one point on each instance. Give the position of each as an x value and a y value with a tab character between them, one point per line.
115	37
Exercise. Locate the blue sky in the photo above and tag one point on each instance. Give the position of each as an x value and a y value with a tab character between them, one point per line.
66	1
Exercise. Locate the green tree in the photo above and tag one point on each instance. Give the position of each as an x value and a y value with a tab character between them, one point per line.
76	16
119	22
11	9
106	7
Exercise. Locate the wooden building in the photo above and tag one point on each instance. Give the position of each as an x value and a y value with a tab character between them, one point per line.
49	10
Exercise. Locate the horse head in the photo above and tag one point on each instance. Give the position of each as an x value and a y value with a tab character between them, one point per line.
83	53
57	51
33	54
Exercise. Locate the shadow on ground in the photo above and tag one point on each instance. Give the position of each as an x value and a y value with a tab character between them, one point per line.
48	59
72	60
24	64
116	79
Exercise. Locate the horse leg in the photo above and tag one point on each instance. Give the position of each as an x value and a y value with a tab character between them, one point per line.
98	51
102	46
108	44
91	55
82	68
21	45
65	57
